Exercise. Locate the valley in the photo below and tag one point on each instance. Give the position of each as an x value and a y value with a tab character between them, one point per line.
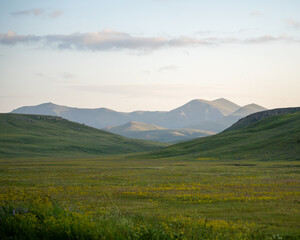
64	179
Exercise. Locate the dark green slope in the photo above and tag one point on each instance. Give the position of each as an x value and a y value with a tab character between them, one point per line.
272	138
255	117
35	135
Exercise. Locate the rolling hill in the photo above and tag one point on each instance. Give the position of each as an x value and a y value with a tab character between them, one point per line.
38	135
155	133
255	117
200	114
274	137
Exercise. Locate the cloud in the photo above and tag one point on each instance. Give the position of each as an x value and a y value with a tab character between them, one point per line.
168	68
55	14
293	23
112	40
11	38
38	12
256	14
34	12
270	38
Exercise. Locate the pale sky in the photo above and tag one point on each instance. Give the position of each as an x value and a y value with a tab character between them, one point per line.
149	54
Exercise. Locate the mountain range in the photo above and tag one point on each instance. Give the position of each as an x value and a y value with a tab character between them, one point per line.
207	116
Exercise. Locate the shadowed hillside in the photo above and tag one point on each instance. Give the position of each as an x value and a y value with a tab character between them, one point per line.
255	117
36	135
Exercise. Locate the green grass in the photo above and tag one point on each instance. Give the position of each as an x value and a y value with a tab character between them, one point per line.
273	138
35	135
121	198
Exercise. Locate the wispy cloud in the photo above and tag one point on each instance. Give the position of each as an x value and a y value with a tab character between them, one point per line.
38	12
293	23
112	40
34	12
55	14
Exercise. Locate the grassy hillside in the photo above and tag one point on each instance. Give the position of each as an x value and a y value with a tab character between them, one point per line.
255	117
36	135
273	138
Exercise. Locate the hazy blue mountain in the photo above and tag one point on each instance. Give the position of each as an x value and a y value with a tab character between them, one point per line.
240	113
225	106
152	132
248	109
205	115
98	118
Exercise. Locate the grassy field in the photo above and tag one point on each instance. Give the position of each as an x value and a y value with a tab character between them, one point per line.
121	198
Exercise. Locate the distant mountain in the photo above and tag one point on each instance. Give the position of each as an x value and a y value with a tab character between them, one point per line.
98	118
194	112
240	113
267	136
152	132
24	135
225	106
248	109
212	116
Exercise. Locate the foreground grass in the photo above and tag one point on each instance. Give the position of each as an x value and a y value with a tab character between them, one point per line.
119	198
43	220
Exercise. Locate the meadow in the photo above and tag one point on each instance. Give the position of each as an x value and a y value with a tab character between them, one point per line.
126	197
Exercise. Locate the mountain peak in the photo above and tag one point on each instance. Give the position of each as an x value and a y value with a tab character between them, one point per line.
220	100
248	109
252	105
197	101
47	104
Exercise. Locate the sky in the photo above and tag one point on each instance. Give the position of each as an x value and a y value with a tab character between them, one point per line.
131	55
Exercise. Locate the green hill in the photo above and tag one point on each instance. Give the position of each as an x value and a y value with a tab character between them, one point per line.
35	135
272	138
255	117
